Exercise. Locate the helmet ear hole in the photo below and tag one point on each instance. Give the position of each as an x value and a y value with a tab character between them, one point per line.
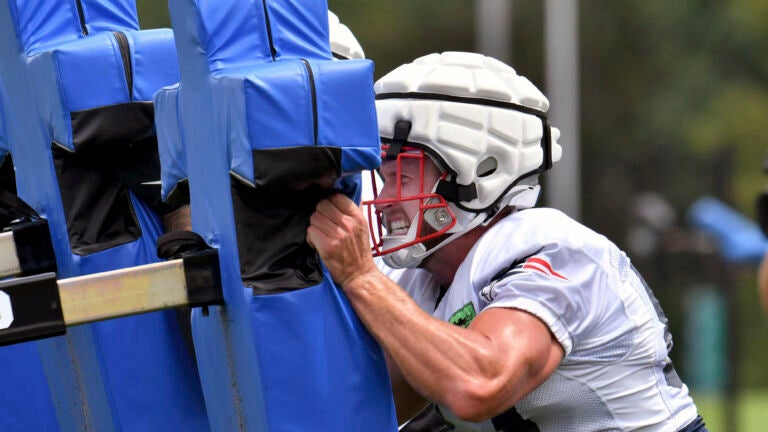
486	167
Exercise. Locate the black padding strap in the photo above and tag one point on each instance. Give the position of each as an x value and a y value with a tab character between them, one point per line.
399	138
175	244
455	192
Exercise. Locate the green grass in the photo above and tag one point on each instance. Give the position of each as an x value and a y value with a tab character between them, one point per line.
750	408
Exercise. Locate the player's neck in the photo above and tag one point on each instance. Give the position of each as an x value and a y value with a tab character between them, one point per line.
445	261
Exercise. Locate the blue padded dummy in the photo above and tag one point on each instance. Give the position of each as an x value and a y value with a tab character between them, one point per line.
261	115
79	79
26	405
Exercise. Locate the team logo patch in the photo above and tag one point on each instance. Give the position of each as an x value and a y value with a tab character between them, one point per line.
487	292
537	265
463	316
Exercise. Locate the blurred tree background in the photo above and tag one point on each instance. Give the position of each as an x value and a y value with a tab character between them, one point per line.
674	106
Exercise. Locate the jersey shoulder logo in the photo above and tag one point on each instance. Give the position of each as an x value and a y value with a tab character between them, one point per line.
487	292
463	316
536	265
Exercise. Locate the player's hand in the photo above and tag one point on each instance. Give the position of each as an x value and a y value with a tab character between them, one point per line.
339	233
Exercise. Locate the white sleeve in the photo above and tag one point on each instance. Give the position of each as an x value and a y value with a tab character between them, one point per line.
556	285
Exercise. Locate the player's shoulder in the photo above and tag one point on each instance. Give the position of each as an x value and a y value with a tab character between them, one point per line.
529	229
544	219
526	233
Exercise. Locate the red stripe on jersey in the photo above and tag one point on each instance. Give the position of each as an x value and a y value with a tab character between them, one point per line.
536	267
543	263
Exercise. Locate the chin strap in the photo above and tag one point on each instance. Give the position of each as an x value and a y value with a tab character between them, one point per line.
413	255
523	196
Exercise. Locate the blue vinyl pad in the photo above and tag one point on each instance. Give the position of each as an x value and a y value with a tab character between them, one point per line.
262	120
80	126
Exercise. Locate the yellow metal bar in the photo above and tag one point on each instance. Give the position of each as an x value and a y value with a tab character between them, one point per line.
119	293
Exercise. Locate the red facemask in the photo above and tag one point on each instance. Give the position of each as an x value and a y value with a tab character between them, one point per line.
433	217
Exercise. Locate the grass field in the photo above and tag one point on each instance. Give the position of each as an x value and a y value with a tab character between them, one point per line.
751	411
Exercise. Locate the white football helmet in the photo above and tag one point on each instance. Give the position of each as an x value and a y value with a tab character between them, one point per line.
344	44
482	124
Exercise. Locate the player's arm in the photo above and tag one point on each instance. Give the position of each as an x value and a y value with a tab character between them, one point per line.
477	372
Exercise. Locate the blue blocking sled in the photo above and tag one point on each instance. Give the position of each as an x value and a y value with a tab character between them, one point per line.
262	125
78	79
25	404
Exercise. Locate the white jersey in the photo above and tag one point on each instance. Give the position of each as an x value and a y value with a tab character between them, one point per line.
585	290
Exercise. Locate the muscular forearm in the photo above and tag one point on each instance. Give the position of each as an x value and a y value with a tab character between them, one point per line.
450	365
477	372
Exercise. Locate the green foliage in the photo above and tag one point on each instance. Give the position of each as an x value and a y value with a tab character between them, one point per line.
749	411
679	79
393	32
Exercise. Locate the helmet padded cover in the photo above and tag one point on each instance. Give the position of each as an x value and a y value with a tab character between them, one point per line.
344	44
467	136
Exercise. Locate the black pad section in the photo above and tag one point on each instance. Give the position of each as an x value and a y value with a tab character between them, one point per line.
7	175
35	306
97	205
295	167
203	277
179	195
104	126
115	151
34	247
271	224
